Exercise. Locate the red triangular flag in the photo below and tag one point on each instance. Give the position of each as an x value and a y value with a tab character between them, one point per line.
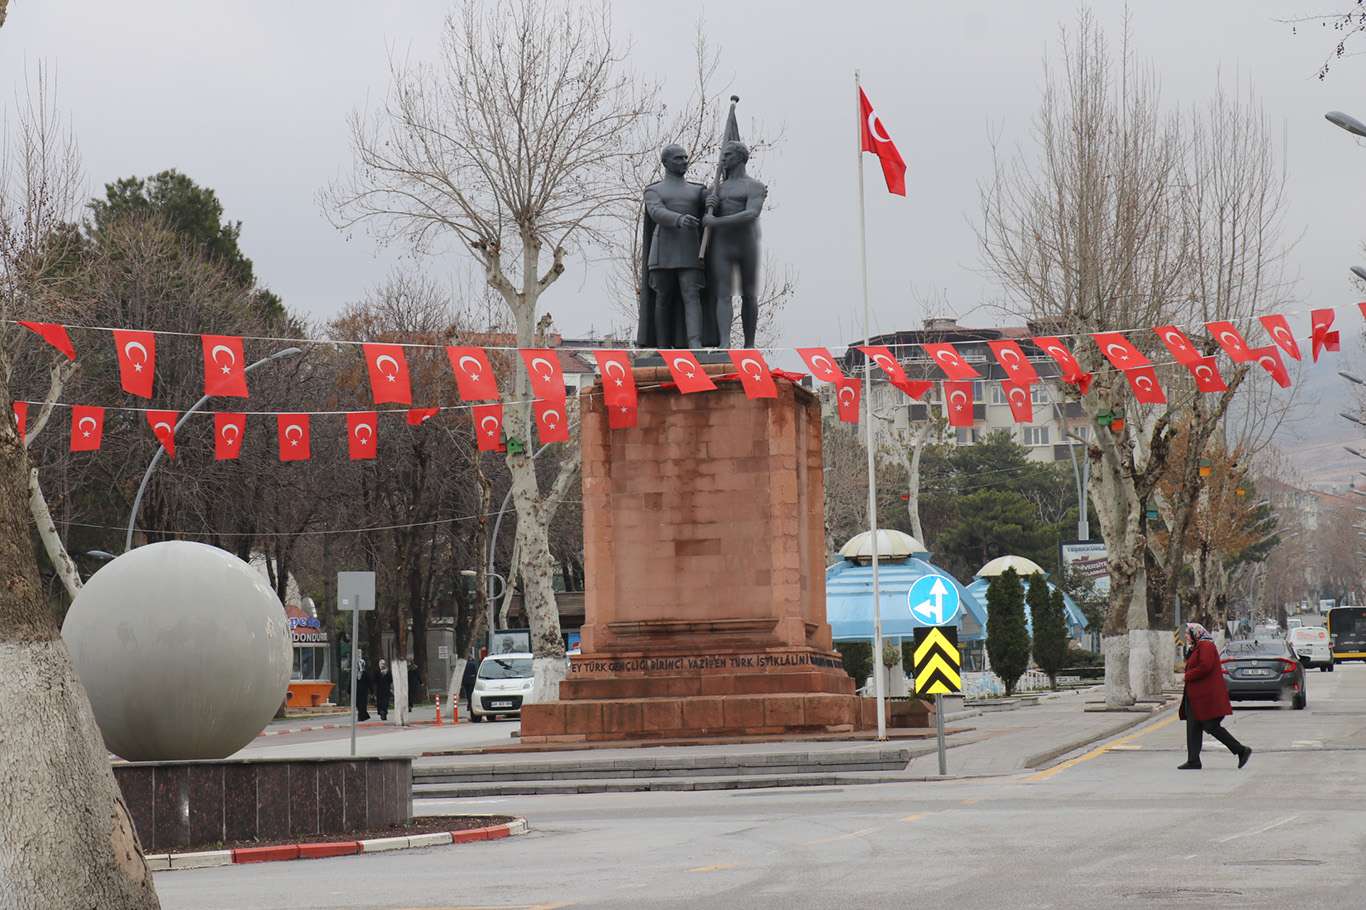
1177	342
163	428
847	391
755	375
418	416
873	138
473	374
87	428
1072	373
1278	327
823	365
687	372
1321	338
1230	340
21	419
950	361
618	388
1119	350
1143	381
362	436
54	334
228	431
1012	357
1018	397
137	353
293	436
1205	371
1269	358
488	427
552	425
543	369
225	374
958	403
388	369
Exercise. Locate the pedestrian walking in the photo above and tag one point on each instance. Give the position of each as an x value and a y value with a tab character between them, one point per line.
1204	703
362	689
384	684
414	681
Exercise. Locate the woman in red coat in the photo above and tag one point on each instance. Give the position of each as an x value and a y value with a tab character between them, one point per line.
1205	704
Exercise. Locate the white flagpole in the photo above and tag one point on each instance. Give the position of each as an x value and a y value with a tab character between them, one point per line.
879	689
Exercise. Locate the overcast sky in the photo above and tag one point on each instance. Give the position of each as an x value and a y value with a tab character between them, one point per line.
251	98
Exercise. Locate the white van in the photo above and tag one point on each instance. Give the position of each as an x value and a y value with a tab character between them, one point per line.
501	684
1313	647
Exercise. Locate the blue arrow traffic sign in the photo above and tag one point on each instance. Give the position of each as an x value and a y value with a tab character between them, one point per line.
933	600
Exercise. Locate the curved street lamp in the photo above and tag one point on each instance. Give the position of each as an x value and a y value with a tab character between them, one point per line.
1346	122
161	450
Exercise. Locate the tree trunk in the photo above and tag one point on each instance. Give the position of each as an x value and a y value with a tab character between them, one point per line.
66	839
51	537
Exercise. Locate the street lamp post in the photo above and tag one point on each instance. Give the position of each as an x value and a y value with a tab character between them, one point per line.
161	450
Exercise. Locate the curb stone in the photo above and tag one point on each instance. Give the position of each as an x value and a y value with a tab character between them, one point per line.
1039	761
163	862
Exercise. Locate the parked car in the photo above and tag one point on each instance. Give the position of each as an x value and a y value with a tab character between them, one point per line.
501	684
1313	647
1260	670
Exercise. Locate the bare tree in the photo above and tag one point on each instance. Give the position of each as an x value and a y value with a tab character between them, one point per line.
1344	25
69	841
511	145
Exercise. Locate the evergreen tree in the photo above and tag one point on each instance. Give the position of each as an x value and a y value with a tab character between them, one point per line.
1007	636
1050	628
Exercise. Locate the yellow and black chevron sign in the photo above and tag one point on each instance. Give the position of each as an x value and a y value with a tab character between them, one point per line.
938	665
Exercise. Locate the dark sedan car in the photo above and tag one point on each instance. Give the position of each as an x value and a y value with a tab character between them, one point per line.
1264	671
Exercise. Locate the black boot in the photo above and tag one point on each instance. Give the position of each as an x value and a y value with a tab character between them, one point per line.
1189	766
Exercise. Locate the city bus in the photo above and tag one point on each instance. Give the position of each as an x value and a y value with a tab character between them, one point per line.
1347	632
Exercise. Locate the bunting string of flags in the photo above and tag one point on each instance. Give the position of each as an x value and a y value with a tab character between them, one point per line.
225	367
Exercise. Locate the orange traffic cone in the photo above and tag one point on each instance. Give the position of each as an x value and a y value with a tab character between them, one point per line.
455	710
438	710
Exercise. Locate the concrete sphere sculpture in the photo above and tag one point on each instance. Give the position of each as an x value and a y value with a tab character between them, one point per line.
184	649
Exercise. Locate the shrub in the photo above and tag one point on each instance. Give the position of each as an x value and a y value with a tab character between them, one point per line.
1007	636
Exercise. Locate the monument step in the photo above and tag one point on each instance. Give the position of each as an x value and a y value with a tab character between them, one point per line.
646	766
653	784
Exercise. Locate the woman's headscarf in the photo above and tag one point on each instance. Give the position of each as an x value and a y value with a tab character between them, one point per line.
1198	632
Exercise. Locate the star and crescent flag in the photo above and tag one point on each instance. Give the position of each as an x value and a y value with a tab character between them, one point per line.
362	438
1072	373
552	423
228	433
488	427
821	363
225	373
1018	397
1230	340
162	424
755	376
388	369
886	361
1278	327
474	376
958	402
873	138
687	372
87	428
137	353
847	390
1321	338
1012	357
950	361
21	419
293	435
54	334
618	388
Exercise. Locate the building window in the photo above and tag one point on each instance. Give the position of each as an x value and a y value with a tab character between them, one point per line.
966	436
1034	436
998	393
1039	394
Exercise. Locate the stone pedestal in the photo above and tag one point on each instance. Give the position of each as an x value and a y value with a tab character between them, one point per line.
705	589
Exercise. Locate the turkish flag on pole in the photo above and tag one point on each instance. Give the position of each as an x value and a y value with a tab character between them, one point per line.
473	374
1229	339
1018	397
847	391
488	427
1320	338
950	361
958	403
618	388
21	419
163	428
1072	373
873	138
1205	370
543	369
1120	351
137	353
1177	342
362	440
228	430
755	375
294	436
551	423
87	428
1010	355
225	375
388	368
1278	327
1270	359
822	363
54	334
1143	381
687	372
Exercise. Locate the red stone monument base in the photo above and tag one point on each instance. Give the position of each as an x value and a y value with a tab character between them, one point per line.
607	720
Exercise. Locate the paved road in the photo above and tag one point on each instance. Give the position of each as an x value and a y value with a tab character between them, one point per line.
1116	827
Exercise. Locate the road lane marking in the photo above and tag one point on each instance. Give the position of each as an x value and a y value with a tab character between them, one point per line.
1099	751
971	802
719	867
914	818
1264	828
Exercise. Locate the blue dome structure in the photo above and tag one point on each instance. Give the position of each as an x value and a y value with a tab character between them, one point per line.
849	599
1076	620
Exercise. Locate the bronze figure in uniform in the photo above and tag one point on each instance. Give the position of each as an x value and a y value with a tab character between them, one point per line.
673	305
